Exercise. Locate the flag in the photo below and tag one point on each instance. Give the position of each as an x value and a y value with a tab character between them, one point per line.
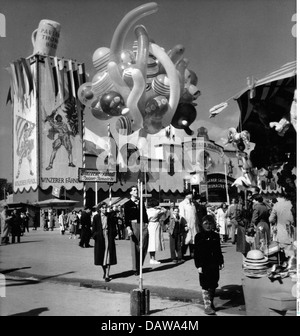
94	144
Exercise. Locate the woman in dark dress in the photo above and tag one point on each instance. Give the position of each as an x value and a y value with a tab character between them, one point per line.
104	232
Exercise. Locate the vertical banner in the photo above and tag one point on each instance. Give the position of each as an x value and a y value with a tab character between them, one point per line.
25	130
60	123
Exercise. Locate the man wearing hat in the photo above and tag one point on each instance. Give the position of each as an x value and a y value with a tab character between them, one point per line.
187	210
132	224
85	228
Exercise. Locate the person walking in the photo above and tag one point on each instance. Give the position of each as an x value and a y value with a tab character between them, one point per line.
132	223
86	232
5	226
16	227
209	261
51	215
73	221
231	214
282	222
62	222
104	232
242	220
24	222
79	226
260	221
156	239
176	229
200	203
187	210
222	222
45	220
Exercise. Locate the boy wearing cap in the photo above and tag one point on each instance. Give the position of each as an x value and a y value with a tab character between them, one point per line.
209	261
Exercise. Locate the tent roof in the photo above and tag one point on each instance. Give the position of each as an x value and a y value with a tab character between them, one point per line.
56	203
285	71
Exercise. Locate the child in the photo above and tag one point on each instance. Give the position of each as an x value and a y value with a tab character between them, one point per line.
176	230
209	261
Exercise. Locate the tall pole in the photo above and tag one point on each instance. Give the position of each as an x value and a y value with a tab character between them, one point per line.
96	193
141	237
226	184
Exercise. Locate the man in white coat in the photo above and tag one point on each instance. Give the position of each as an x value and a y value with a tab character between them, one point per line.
187	210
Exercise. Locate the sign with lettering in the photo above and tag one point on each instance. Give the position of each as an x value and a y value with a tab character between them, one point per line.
94	175
56	191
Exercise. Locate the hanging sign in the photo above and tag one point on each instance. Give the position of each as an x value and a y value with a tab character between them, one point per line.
94	175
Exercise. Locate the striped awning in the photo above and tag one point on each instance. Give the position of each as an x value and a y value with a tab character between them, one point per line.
277	87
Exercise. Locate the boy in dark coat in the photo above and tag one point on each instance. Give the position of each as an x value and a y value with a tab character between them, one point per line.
176	231
209	261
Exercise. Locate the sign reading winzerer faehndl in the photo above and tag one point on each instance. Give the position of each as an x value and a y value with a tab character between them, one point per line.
94	175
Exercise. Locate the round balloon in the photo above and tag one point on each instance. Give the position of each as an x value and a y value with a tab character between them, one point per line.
113	104
97	111
184	116
123	126
101	58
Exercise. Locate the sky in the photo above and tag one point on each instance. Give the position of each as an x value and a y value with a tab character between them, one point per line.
225	41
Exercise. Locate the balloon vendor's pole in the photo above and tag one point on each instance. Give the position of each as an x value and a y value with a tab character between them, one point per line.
141	237
96	193
226	183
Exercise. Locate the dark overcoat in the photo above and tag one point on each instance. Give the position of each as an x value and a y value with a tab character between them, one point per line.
100	244
208	255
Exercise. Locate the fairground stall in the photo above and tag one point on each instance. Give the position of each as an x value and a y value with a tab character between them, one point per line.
268	120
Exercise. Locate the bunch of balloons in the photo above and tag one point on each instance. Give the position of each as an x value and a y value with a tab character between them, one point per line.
146	87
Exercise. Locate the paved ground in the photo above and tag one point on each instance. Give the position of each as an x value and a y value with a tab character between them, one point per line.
56	264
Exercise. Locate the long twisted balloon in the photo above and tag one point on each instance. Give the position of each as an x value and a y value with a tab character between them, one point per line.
142	59
172	74
117	43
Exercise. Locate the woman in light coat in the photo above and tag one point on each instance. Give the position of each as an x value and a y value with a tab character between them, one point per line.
221	221
282	222
156	240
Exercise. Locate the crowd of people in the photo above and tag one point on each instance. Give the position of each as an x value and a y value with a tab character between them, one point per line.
196	230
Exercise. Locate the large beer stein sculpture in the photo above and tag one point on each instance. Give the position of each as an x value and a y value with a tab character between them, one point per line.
45	38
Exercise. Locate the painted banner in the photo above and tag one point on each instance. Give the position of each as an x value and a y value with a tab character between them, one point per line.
60	123
25	139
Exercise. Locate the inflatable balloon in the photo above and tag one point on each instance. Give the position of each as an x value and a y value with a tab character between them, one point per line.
134	96
161	85
175	54
97	111
172	75
113	104
184	116
123	126
155	110
181	69
127	76
101	58
124	26
90	92
117	43
141	59
147	88
239	140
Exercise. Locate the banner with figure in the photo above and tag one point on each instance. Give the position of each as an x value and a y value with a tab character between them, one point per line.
60	124
25	144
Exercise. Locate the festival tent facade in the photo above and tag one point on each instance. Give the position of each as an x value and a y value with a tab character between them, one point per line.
268	113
